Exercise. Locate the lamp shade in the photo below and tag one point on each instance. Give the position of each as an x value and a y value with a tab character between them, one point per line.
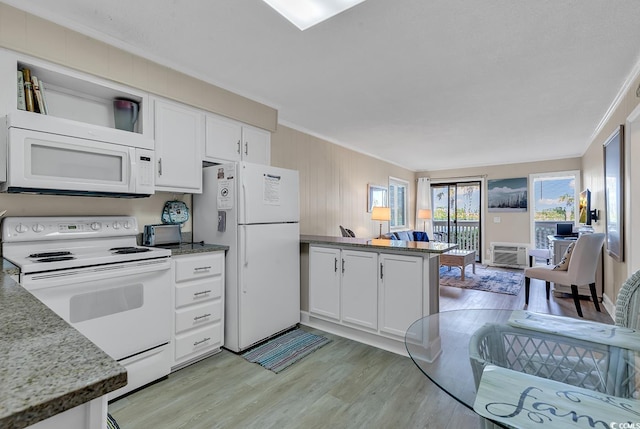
381	213
424	214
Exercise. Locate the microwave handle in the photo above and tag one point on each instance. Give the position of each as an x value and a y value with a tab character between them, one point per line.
133	177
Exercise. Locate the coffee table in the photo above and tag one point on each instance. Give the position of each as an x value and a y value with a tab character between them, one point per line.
459	258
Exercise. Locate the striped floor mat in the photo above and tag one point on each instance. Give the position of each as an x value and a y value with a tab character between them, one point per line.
285	350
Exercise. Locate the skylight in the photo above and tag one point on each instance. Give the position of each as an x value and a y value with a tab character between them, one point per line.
307	13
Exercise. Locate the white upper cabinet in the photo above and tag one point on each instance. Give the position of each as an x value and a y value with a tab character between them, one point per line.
229	140
179	137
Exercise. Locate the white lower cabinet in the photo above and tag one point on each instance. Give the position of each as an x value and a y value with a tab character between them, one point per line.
198	322
360	288
400	292
324	282
90	415
378	293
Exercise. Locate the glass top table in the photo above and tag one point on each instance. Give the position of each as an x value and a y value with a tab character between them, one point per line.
439	345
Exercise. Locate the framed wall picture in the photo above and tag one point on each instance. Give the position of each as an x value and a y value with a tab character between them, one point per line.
507	195
614	193
377	196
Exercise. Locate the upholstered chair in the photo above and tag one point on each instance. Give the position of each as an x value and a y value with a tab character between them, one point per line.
579	272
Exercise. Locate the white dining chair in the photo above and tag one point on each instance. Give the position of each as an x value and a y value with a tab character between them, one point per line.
580	272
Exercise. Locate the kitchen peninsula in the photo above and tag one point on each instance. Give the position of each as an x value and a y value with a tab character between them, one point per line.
369	290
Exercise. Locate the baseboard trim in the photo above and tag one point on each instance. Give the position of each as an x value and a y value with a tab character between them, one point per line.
371	339
609	306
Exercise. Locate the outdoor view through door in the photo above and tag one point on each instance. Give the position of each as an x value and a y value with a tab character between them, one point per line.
554	201
456	214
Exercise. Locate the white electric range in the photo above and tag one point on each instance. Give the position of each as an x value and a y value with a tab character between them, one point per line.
92	273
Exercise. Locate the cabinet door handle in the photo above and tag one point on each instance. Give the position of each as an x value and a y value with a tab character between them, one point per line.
335	265
246	148
204	316
381	271
159	166
202	268
238	147
204	292
197	343
342	265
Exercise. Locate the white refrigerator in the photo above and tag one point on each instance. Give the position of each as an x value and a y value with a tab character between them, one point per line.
253	209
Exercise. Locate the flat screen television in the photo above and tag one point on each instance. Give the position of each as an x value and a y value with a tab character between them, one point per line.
584	208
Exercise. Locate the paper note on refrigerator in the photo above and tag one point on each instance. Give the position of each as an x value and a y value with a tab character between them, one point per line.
272	189
225	194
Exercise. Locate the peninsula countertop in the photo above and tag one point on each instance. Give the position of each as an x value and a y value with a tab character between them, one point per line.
380	244
46	366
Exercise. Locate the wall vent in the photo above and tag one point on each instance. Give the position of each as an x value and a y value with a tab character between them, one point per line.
512	255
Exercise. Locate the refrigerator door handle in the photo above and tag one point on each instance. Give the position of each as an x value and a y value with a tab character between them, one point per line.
246	239
245	231
244	203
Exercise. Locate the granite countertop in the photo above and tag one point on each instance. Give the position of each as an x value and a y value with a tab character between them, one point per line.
189	248
46	366
382	244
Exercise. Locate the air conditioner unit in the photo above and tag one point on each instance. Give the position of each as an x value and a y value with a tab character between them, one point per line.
512	255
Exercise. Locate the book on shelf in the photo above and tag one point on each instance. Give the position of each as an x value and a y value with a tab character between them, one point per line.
38	95
21	100
28	90
44	98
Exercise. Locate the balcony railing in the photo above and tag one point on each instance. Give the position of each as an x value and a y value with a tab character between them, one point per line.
544	229
466	236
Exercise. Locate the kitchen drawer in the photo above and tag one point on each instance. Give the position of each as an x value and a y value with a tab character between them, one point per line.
198	315
193	267
199	341
199	291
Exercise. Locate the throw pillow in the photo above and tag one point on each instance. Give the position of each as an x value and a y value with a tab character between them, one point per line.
563	265
420	236
404	235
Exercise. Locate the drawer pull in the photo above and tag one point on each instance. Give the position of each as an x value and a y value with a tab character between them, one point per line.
204	316
197	343
204	292
202	268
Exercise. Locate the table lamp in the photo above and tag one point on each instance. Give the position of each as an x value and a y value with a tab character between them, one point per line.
424	214
382	214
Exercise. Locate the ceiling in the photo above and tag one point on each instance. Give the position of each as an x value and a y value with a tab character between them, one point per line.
424	84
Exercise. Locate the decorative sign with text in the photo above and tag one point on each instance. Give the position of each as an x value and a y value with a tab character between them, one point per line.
526	401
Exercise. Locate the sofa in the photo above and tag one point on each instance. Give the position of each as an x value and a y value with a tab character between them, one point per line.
408	235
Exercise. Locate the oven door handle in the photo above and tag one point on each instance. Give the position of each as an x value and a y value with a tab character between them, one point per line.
71	276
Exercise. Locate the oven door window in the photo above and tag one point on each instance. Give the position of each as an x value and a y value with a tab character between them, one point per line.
92	305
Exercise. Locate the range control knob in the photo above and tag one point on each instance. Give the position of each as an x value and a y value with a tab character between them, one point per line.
38	228
21	228
95	226
126	224
116	225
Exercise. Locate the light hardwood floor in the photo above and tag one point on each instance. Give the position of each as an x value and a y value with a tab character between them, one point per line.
345	384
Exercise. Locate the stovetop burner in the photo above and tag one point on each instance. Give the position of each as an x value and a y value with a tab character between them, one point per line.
56	258
49	254
131	249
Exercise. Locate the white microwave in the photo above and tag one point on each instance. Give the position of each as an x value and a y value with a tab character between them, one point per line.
47	163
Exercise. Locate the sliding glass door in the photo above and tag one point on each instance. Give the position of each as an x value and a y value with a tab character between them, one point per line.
456	214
